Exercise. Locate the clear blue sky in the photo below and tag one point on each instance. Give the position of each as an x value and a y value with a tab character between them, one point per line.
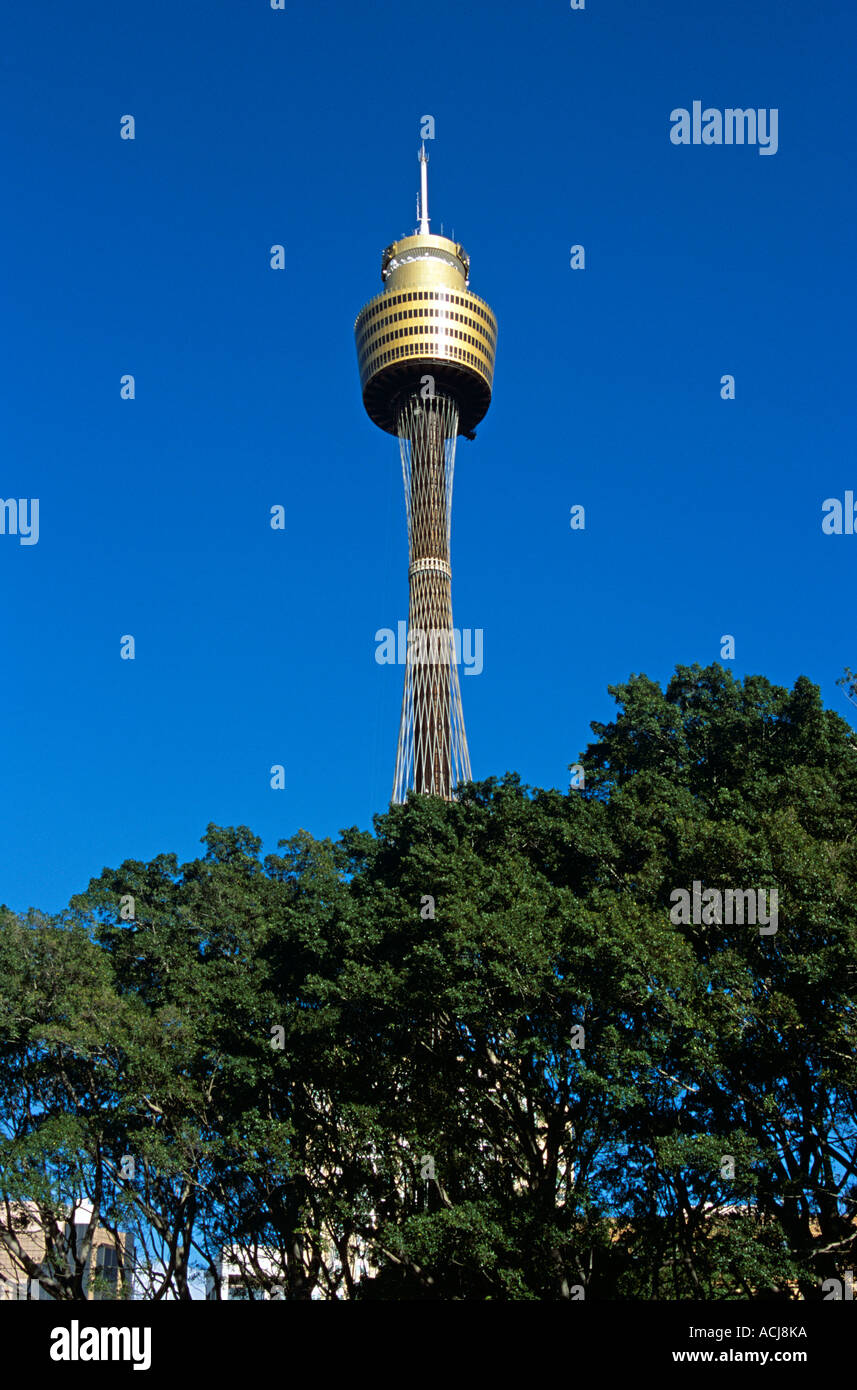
256	647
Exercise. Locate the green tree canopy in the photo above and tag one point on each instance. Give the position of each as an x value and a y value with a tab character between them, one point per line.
476	1053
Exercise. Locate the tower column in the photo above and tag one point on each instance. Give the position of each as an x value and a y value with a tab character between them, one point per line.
432	752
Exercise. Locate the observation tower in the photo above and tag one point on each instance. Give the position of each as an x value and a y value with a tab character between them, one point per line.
425	349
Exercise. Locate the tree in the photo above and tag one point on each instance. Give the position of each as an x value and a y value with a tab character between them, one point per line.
59	1083
476	1054
741	785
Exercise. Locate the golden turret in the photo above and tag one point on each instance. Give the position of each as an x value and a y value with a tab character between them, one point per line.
426	322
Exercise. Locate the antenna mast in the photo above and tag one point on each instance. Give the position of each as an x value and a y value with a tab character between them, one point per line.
424	217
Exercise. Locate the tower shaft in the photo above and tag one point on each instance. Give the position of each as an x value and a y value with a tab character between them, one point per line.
432	752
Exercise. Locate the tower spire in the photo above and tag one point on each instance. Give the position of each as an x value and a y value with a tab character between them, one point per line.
424	217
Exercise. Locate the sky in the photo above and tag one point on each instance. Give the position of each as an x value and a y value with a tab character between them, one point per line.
254	647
